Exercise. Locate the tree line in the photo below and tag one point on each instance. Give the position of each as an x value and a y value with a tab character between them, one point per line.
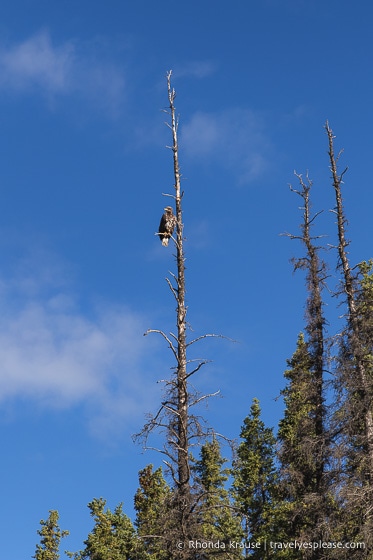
304	491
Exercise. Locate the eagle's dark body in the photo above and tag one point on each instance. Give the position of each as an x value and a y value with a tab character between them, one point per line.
167	225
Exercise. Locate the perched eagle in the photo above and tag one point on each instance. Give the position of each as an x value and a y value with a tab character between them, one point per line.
167	225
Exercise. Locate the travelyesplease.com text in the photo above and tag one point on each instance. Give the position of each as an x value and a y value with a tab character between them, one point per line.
268	545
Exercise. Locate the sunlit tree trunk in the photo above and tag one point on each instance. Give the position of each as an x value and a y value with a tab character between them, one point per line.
182	405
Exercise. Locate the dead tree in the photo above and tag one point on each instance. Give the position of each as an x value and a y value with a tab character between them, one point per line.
183	429
316	440
356	374
316	275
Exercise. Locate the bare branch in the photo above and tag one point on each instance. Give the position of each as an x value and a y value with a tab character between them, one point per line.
171	195
210	336
170	344
174	292
202	363
204	397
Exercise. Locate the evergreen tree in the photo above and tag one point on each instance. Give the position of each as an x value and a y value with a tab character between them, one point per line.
303	509
51	536
112	538
303	436
354	384
254	481
217	517
152	502
315	276
354	483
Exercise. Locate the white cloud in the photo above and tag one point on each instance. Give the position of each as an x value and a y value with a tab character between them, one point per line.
38	65
234	139
195	69
53	355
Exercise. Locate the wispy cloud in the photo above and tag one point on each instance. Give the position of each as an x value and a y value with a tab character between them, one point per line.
57	357
195	69
38	65
234	139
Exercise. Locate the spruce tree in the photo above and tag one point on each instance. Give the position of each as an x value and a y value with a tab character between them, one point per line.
112	537
254	482
303	436
217	516
354	383
354	491
300	513
51	536
152	504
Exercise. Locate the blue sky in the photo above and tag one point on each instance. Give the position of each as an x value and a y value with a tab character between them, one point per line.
83	168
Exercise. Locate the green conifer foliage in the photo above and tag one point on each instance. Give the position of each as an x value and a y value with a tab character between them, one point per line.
152	505
218	519
296	436
51	535
297	427
255	478
355	483
113	536
304	513
365	317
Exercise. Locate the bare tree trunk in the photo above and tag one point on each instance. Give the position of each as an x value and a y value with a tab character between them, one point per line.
183	466
174	417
